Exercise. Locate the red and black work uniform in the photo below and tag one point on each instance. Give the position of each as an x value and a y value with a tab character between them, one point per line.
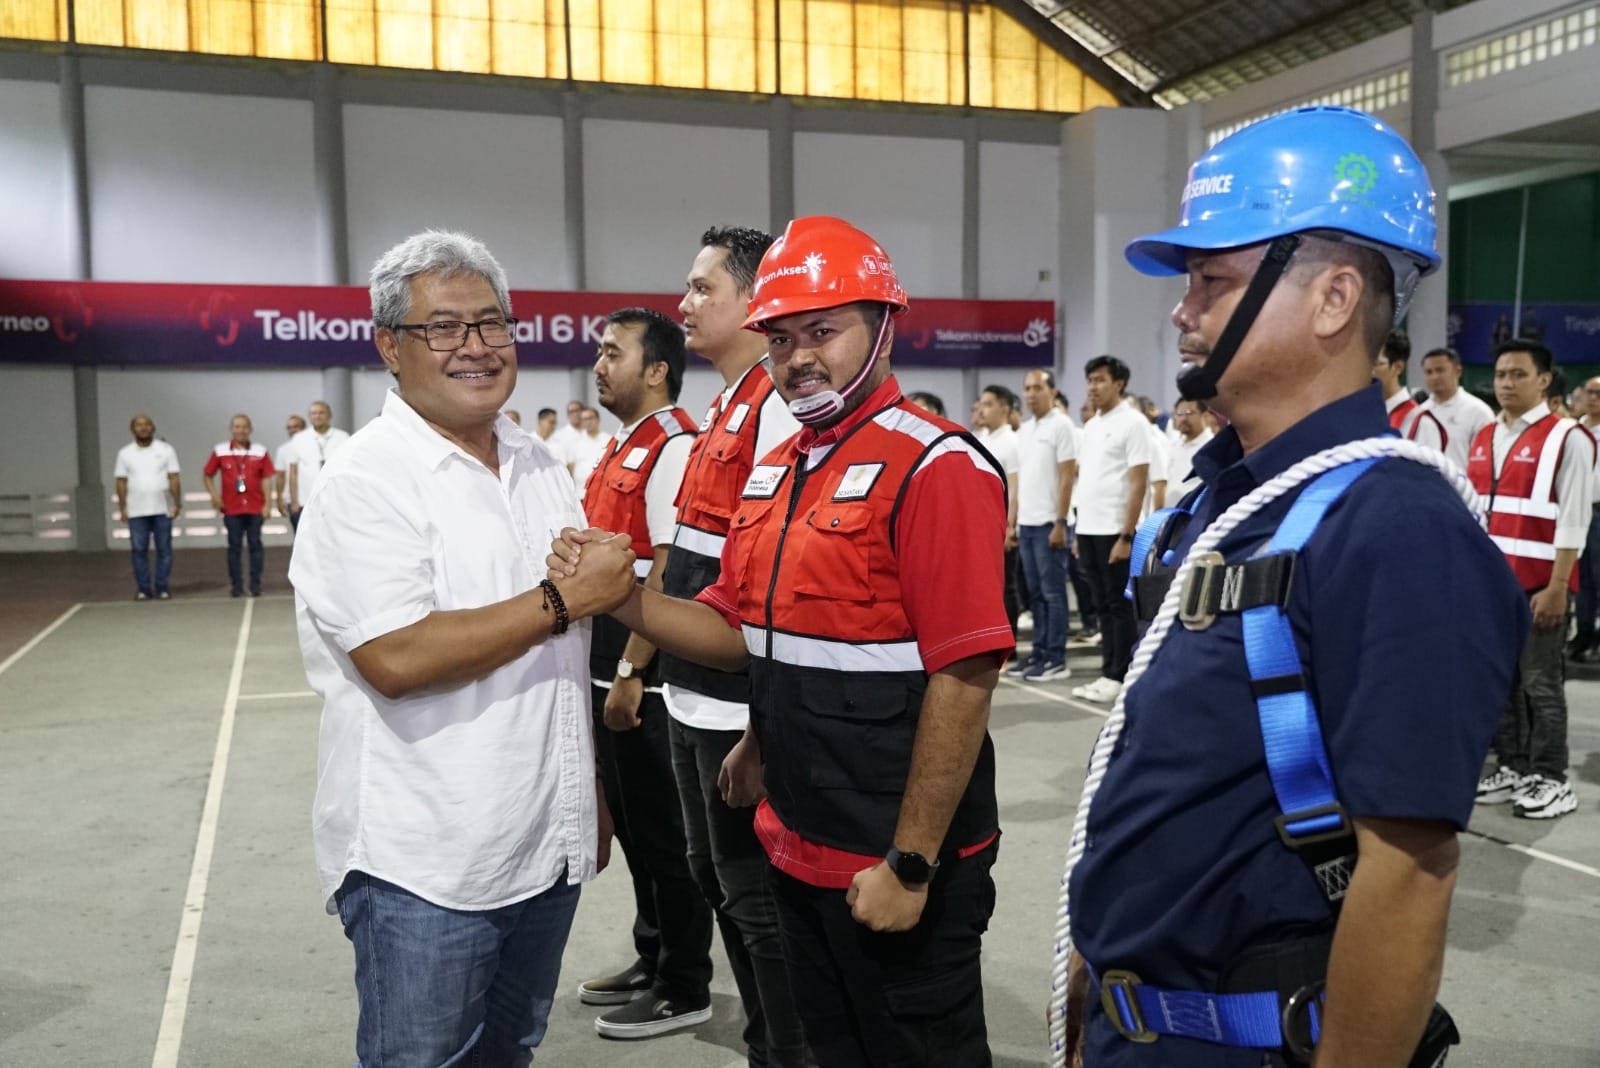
1416	423
719	465
1522	496
614	499
862	559
243	468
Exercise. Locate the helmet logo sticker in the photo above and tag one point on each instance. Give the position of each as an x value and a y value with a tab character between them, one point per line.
815	262
1205	187
1356	175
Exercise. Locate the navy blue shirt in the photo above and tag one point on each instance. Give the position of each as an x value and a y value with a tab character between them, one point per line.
1409	624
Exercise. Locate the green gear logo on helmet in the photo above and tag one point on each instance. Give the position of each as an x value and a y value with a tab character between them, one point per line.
1356	175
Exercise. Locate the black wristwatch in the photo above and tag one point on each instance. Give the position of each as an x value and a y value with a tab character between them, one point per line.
1125	536
913	869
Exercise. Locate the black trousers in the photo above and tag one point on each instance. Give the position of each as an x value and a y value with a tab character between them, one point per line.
908	1000
1107	583
672	922
731	867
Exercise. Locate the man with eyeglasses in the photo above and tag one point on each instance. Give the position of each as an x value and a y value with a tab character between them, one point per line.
456	812
1190	434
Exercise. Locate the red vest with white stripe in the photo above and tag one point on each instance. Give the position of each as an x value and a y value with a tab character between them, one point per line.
719	464
1397	417
1522	498
613	498
836	676
1412	423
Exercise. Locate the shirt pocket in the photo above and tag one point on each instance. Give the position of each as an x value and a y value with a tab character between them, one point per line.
833	558
723	476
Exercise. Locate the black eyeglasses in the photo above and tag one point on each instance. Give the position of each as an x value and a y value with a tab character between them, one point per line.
447	335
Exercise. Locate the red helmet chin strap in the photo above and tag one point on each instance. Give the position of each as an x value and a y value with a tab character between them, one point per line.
821	407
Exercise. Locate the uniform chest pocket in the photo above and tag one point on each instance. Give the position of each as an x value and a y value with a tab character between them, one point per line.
720	475
750	530
833	553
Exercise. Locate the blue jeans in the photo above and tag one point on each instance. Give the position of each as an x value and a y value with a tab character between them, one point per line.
140	530
437	986
1046	571
242	528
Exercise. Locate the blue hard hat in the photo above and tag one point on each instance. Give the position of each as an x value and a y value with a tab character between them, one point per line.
1312	168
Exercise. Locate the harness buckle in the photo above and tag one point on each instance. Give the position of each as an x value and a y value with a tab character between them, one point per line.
1194	610
1121	1002
1302	1024
1300	840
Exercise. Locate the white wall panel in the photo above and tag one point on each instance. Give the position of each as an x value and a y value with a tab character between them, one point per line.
498	177
942	382
1019	209
193	188
39	451
33	182
904	191
650	191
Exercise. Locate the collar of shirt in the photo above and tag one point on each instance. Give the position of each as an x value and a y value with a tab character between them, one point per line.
1537	413
434	447
879	399
1401	395
1230	474
621	437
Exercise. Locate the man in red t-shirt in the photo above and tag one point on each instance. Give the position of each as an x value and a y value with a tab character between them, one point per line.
862	585
244	469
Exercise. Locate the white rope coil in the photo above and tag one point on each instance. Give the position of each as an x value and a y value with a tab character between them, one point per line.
1100	756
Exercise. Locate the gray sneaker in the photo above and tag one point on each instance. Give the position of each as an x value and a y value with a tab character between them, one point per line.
1543	798
1498	788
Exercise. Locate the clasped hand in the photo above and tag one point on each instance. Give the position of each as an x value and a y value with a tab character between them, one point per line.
593	569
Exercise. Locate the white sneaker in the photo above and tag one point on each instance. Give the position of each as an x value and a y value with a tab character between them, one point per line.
1500	787
1100	690
1544	798
1024	622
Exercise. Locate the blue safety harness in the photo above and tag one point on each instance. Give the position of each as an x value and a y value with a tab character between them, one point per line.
1297	764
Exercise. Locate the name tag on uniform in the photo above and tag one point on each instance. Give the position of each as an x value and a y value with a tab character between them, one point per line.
763	482
736	420
857	482
635	458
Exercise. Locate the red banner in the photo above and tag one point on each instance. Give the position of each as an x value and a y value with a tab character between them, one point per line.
324	326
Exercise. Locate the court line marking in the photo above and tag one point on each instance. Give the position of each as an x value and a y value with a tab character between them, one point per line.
204	598
284	695
37	638
170	1037
1515	847
1060	699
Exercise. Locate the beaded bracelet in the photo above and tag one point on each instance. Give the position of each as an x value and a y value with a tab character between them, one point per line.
552	594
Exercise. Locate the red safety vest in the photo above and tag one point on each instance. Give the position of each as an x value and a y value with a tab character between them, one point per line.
836	675
1397	418
613	498
719	464
1522	498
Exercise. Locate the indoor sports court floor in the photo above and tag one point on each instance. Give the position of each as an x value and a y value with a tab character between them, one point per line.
158	904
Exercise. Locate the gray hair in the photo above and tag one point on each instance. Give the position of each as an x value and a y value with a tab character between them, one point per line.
441	252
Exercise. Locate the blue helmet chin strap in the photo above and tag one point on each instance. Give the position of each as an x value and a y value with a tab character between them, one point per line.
1197	382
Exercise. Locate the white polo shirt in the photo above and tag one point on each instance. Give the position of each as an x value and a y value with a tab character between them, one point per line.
1113	442
583	452
1043	444
311	452
1463	415
1160	465
1181	467
146	468
472	796
1003	444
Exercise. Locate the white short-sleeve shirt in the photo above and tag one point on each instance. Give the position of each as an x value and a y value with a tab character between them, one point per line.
473	796
1113	442
146	469
1043	444
1463	415
310	454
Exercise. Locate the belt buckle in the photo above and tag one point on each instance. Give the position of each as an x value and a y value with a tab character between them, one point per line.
1301	1028
1113	984
1192	611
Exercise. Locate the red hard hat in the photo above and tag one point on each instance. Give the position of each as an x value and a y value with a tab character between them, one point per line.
822	262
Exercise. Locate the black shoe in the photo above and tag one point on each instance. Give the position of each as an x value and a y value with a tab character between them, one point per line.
236	592
255	591
649	1016
1578	646
617	989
